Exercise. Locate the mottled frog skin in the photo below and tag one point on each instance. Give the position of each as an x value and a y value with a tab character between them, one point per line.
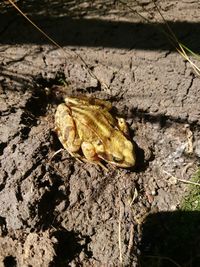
89	132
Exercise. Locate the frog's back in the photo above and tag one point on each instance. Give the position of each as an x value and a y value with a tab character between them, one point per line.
93	123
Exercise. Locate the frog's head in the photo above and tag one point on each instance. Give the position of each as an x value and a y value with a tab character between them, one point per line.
117	150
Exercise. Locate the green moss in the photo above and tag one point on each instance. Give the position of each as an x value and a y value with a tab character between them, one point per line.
192	201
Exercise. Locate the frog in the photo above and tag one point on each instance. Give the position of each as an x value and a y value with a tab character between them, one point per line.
89	132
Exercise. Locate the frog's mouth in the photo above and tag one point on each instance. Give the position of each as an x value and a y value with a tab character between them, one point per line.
120	162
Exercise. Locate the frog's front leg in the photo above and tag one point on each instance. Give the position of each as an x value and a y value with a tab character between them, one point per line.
65	127
90	154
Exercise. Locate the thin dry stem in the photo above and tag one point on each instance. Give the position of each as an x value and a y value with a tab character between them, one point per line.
67	54
130	244
180	48
119	232
181	180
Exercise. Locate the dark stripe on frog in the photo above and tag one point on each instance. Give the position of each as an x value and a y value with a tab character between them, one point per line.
98	122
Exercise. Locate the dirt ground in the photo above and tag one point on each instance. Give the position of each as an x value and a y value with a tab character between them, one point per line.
61	212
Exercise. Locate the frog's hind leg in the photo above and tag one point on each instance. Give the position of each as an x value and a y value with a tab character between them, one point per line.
66	129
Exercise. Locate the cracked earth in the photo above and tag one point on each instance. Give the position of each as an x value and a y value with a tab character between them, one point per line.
57	211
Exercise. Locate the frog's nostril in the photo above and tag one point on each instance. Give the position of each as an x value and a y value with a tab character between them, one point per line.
99	143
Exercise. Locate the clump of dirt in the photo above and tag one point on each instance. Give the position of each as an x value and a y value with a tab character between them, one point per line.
27	249
91	215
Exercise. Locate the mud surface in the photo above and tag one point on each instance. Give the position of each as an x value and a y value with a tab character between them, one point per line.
59	212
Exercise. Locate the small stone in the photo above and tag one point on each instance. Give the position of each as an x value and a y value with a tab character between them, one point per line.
61	206
73	264
173	207
197	148
153	192
82	256
173	180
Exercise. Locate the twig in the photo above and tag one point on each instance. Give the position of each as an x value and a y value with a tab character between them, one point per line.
130	244
181	180
91	73
180	48
55	153
119	232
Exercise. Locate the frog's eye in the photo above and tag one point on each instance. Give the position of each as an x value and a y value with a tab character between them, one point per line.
117	159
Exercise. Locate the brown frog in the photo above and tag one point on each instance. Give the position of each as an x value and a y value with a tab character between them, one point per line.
89	132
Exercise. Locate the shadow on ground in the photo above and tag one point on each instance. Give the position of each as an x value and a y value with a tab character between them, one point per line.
171	239
68	27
